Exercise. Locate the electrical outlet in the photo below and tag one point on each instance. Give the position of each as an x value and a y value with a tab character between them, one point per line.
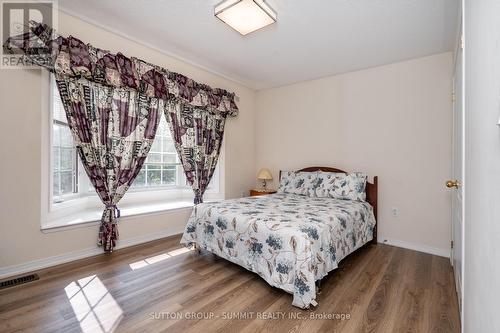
395	212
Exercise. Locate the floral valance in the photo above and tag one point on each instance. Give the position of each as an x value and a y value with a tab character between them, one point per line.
70	57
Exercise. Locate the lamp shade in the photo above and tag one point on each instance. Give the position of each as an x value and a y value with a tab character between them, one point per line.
265	174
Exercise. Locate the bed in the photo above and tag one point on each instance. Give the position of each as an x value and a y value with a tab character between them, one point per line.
292	241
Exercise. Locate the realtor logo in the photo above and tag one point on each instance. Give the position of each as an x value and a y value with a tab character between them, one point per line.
16	16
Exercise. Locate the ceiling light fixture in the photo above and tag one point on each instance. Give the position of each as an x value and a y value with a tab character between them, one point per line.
245	16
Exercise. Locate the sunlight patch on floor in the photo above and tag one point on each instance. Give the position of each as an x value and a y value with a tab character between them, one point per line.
158	258
93	305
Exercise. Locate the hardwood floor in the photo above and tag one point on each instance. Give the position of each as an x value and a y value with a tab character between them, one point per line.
149	287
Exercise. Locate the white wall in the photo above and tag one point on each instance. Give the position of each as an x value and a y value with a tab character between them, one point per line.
392	121
482	166
21	240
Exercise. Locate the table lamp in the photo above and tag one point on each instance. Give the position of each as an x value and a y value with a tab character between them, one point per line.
264	174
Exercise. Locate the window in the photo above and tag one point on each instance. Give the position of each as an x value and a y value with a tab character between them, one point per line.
162	167
161	171
64	159
65	165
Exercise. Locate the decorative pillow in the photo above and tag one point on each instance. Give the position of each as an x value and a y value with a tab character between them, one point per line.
325	182
349	186
302	183
286	181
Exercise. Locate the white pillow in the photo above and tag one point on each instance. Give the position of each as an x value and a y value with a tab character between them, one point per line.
349	186
340	185
302	183
286	179
325	182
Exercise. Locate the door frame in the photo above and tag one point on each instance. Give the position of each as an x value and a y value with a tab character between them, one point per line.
459	276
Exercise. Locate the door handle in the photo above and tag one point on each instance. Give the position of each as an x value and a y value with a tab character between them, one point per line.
452	183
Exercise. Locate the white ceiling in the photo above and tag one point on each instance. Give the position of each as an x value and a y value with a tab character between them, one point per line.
312	38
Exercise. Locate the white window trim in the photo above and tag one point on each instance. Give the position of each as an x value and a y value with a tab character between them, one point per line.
80	210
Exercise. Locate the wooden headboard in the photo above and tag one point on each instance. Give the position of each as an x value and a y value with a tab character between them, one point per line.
371	192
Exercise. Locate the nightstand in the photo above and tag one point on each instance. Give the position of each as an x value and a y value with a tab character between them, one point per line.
254	193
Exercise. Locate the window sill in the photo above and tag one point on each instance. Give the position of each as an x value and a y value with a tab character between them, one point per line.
92	216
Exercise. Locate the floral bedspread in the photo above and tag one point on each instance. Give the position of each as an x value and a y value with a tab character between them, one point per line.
289	240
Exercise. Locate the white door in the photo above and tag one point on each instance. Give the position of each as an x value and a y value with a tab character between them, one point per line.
456	183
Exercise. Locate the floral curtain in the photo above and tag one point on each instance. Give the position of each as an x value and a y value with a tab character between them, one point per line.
198	137
70	57
113	104
113	130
